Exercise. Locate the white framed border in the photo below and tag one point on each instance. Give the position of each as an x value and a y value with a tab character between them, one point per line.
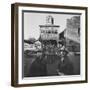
51	78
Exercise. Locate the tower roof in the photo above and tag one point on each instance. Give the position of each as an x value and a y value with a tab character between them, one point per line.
49	20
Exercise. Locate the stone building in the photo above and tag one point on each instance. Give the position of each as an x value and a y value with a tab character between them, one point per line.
72	34
49	31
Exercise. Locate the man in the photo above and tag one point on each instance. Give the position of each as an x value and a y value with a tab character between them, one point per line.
65	67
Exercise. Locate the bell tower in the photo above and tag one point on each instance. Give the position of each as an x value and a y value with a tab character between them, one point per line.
49	20
49	31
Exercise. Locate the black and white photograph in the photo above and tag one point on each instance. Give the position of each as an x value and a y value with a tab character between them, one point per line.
49	44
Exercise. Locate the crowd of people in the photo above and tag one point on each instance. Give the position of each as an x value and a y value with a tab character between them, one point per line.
52	54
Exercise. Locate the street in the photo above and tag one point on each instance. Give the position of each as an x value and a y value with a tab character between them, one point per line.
50	64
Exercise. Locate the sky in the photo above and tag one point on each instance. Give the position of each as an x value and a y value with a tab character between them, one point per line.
33	20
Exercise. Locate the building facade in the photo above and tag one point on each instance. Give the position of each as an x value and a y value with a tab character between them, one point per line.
72	34
49	31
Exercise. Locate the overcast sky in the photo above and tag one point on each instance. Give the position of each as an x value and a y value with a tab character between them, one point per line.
33	20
